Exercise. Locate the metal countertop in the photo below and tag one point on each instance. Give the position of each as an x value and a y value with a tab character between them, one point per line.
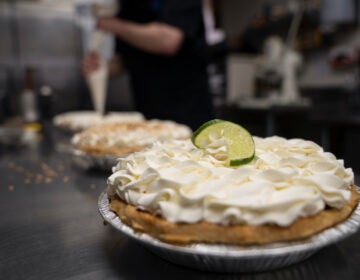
50	228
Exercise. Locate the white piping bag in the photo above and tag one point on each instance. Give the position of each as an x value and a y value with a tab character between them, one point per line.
101	43
97	80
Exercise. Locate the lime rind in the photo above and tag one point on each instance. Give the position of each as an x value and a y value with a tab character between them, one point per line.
201	128
237	162
240	144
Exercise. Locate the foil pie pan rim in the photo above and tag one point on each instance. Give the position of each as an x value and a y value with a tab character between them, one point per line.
87	160
311	244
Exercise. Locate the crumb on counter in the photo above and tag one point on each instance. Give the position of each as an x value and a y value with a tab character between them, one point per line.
29	174
48	170
48	180
19	169
39	178
41	173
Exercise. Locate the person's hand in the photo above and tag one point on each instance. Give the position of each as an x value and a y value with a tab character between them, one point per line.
107	23
90	63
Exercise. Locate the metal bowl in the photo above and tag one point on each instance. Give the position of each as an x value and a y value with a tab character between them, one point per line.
234	259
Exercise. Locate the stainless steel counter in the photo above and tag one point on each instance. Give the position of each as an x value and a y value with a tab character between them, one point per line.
50	228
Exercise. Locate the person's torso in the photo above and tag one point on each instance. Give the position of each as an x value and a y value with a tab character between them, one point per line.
184	14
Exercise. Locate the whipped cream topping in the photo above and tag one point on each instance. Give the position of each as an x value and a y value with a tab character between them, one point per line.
286	180
132	134
81	120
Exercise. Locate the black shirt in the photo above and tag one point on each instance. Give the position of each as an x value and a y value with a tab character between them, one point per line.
166	87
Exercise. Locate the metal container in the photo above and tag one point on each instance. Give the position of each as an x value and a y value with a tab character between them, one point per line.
11	136
234	259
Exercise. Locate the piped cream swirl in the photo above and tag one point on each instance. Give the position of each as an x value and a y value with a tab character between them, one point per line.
286	180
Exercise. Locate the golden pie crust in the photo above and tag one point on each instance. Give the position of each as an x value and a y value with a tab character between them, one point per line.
244	234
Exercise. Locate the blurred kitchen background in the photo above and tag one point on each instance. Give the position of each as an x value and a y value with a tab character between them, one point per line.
287	68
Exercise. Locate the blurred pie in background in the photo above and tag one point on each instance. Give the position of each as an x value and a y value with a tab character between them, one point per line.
127	137
80	120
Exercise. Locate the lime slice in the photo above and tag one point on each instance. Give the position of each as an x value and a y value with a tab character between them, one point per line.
240	145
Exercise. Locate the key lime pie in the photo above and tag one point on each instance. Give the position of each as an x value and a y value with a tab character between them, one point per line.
80	120
122	138
228	187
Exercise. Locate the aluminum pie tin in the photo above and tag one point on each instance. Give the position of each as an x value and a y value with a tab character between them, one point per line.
90	161
235	259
